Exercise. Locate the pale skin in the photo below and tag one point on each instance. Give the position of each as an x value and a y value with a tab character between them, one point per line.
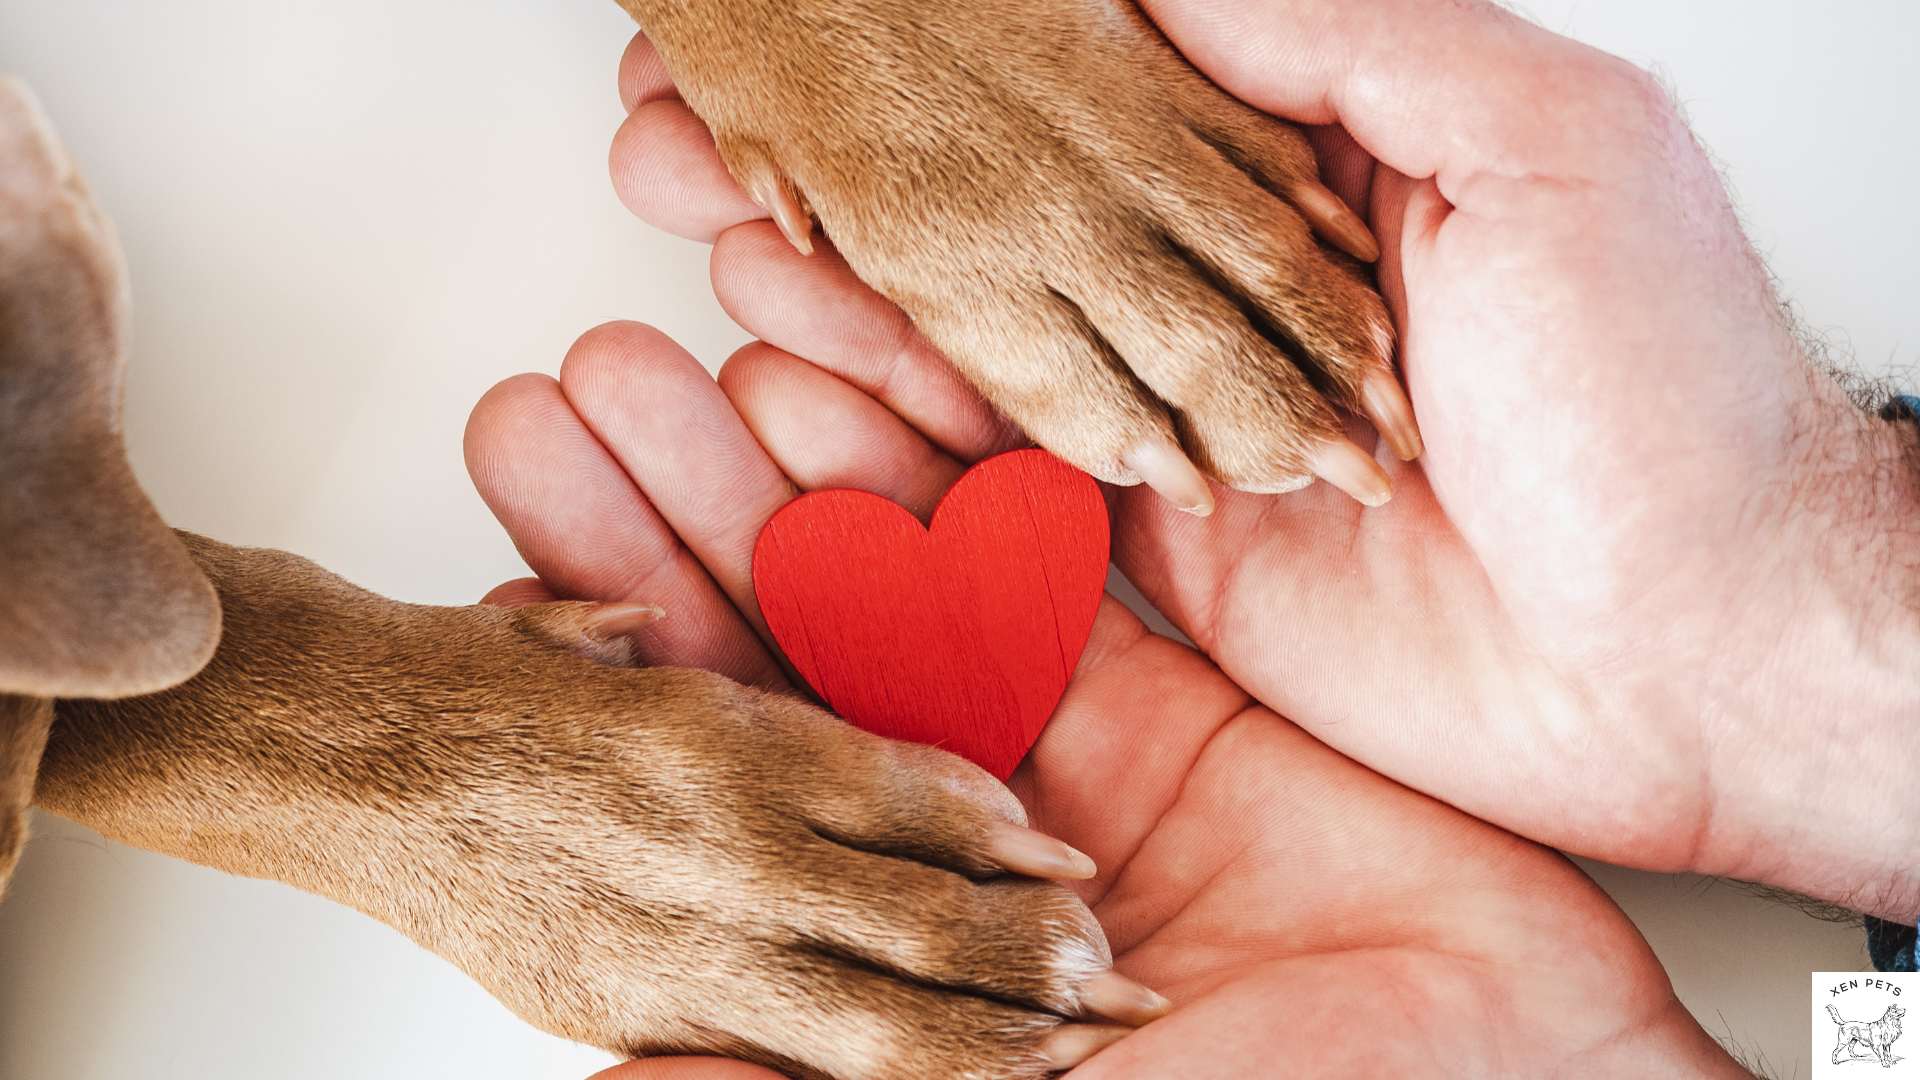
1646	596
1295	906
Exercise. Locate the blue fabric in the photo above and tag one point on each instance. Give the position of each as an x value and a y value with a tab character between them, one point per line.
1890	945
1902	407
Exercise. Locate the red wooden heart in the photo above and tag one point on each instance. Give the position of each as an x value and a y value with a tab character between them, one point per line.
962	635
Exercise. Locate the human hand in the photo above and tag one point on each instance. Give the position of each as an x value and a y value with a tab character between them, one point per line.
1644	596
1296	906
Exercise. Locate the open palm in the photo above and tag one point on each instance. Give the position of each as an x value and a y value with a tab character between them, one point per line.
1297	907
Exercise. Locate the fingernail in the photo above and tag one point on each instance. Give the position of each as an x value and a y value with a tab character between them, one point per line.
1353	471
1166	469
777	197
1070	1044
1335	221
1387	406
619	620
1035	854
1120	999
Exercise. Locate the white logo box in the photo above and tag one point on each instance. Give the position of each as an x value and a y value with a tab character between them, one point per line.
1864	1025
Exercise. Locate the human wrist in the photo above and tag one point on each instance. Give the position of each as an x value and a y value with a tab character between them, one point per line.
1820	734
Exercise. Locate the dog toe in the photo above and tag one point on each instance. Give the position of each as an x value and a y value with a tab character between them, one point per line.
802	894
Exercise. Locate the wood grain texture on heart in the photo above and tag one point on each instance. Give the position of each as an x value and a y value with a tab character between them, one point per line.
963	634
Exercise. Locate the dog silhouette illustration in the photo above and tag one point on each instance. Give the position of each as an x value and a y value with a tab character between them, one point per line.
1859	1040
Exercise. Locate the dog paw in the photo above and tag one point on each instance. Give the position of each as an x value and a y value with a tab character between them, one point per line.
738	873
698	867
1134	266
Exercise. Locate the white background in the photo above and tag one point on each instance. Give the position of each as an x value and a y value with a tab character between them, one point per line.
347	220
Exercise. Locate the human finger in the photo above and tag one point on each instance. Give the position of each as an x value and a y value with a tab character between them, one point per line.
842	439
519	592
666	170
664	164
814	307
643	75
590	534
673	432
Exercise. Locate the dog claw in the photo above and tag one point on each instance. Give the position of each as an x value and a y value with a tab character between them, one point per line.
1334	221
1392	414
1071	1044
1120	999
1035	854
619	620
1353	471
602	633
775	194
1166	469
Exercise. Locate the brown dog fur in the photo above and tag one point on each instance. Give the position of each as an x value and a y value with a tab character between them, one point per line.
1114	250
660	860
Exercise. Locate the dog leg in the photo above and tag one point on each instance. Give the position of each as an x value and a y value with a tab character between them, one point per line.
646	860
